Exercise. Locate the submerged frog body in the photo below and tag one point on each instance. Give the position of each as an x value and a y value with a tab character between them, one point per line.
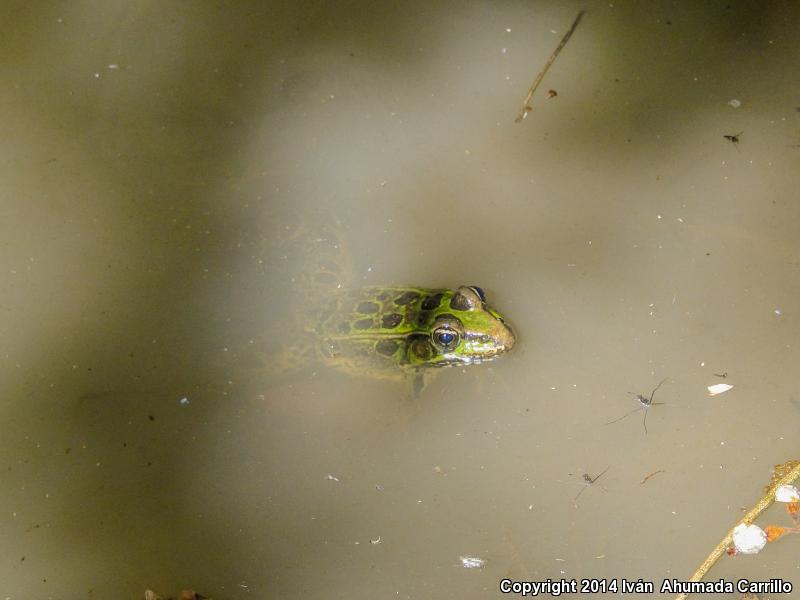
385	332
391	332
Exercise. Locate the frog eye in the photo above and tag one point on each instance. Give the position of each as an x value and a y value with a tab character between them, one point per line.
445	338
479	291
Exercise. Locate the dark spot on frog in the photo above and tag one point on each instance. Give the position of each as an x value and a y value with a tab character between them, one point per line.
423	317
391	321
367	308
460	302
363	324
421	347
431	302
406	298
387	347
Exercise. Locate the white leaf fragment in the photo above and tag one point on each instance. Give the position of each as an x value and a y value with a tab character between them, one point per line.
749	539
787	493
719	388
472	562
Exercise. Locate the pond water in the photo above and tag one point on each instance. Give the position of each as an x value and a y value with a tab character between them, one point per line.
639	226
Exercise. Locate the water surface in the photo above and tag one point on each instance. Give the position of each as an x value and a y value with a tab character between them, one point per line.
153	157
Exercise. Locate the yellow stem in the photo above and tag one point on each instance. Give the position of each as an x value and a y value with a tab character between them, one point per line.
751	516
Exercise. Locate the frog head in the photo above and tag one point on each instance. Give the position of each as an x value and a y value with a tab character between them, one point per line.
461	330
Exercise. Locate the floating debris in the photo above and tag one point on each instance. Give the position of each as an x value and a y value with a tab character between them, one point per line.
183	401
787	493
749	539
719	388
551	94
472	562
526	107
185	595
373	542
783	474
734	103
653	474
331	477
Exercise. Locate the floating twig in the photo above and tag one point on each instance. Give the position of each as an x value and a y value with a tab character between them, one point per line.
653	474
785	474
526	107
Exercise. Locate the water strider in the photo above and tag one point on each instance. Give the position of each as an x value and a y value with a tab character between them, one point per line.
589	480
734	139
645	403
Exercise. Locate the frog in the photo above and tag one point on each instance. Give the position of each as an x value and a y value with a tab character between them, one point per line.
399	333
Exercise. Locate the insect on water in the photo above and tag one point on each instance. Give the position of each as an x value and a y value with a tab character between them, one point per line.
645	404
734	139
589	480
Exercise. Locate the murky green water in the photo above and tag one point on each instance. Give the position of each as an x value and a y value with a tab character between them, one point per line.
152	154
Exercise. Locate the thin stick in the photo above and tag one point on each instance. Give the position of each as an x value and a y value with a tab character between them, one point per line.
653	474
751	516
523	111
